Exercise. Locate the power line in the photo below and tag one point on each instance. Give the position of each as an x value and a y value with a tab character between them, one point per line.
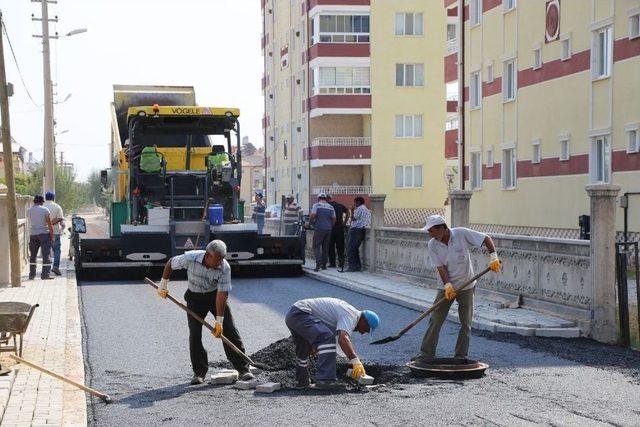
15	60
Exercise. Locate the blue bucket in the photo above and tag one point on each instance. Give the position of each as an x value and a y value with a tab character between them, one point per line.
216	215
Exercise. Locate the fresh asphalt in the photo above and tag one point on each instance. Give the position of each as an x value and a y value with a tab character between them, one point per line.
136	350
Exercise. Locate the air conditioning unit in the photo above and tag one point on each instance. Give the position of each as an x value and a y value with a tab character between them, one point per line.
299	129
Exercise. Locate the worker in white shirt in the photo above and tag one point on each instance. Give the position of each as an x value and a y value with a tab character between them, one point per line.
57	220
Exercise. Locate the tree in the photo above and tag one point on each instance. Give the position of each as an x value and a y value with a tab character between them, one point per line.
70	194
96	192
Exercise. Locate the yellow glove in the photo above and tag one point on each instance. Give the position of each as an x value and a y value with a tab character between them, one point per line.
163	288
357	368
217	328
495	264
449	292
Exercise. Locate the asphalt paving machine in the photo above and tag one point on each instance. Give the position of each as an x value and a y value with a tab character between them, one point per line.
176	175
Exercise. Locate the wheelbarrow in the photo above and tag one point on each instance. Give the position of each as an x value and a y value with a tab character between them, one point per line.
14	320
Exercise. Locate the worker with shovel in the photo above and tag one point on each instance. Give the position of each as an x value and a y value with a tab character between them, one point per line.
314	324
449	254
209	276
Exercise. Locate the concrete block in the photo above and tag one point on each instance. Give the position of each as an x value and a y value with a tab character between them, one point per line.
484	326
224	378
246	385
254	370
365	380
558	332
527	332
267	387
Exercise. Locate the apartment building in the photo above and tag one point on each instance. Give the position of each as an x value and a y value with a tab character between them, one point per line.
551	104
317	88
409	107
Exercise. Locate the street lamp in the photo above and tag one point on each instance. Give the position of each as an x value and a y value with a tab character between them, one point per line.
76	31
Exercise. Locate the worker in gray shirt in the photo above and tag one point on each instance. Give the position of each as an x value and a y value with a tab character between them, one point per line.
323	217
40	236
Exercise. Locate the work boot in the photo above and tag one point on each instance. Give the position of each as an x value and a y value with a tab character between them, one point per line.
246	375
317	268
56	271
32	272
196	380
329	385
422	361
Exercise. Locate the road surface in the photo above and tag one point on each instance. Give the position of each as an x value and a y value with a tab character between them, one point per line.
136	349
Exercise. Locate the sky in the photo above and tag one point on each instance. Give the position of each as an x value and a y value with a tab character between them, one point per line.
213	45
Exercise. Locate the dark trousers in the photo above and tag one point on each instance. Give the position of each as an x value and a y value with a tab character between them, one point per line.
37	241
202	304
336	244
356	237
307	330
321	246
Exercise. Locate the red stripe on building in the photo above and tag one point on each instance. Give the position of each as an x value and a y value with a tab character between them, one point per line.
314	3
448	3
452	106
625	48
487	5
326	153
487	173
340	101
492	88
580	61
451	67
621	161
453	11
360	50
284	51
451	144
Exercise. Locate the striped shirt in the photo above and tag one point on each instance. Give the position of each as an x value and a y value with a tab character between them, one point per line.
291	213
361	217
202	279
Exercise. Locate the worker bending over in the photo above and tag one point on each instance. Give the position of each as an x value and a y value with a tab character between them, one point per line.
209	276
314	323
449	253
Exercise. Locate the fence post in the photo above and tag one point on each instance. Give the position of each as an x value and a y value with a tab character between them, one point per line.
604	326
460	204
377	222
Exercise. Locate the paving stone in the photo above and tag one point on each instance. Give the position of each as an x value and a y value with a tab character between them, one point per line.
246	385
254	370
558	332
527	332
267	387
224	378
364	380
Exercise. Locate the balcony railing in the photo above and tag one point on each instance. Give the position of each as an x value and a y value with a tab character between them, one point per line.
452	45
342	189
341	141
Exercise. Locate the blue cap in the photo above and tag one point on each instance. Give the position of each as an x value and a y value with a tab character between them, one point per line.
49	195
372	319
259	194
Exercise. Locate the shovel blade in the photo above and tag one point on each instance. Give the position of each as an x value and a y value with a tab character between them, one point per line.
386	340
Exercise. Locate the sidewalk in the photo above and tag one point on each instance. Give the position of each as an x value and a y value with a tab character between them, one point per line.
53	340
487	315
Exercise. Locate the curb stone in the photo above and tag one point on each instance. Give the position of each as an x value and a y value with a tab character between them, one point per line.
418	304
6	384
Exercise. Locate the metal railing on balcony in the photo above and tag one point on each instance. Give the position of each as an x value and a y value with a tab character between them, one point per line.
341	141
452	45
342	189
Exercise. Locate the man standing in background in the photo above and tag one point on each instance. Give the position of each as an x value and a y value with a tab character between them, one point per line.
323	217
57	221
360	219
336	242
291	215
40	236
259	211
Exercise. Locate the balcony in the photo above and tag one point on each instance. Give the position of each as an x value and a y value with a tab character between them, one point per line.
344	193
339	104
452	46
345	151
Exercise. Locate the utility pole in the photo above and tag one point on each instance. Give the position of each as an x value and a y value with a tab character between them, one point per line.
12	216
49	160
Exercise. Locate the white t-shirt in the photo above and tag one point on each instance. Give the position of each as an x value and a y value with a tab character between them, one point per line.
338	315
455	255
55	213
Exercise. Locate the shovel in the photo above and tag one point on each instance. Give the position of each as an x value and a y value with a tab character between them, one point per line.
209	327
426	313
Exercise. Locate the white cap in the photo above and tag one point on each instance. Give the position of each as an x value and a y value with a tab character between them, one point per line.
433	220
322	196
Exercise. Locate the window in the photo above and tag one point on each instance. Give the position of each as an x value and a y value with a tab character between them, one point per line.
601	53
409	24
634	26
490	72
476	90
342	29
564	149
508	170
452	123
633	140
475	172
475	10
452	38
508	5
600	160
284	149
408	126
536	156
509	81
490	157
409	176
452	91
341	80
537	58
565	53
409	74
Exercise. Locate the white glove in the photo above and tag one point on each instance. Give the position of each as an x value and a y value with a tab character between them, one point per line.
163	288
217	328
